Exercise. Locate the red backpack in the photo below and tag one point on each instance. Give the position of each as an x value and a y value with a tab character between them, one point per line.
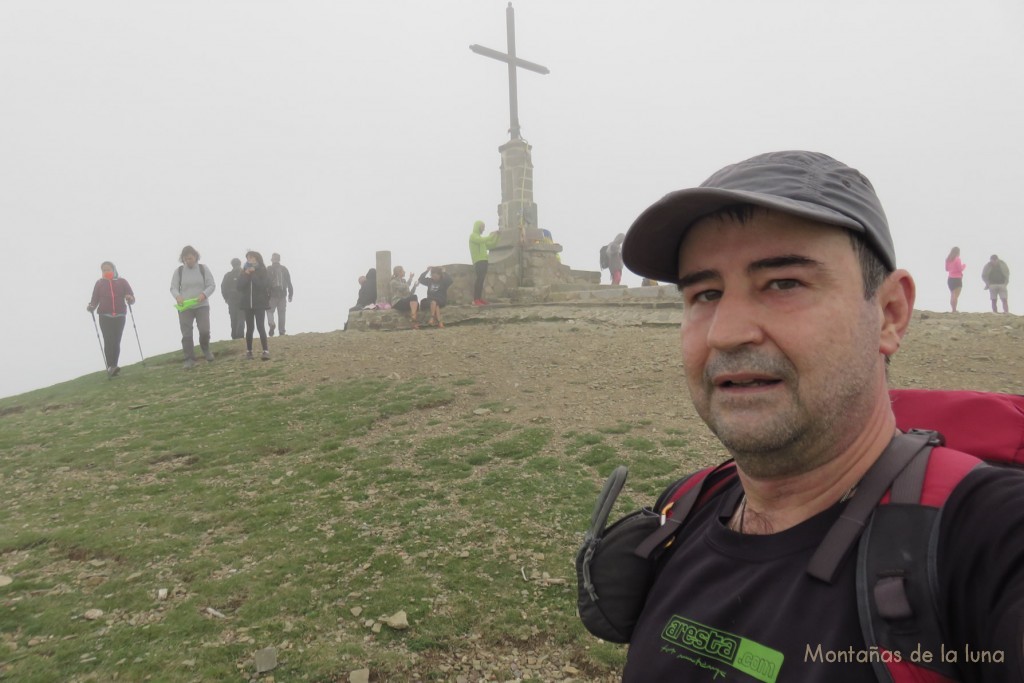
891	519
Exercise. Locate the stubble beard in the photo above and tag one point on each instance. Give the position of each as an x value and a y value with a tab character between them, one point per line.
783	434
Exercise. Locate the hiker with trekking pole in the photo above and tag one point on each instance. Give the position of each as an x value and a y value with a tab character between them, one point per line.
846	539
112	297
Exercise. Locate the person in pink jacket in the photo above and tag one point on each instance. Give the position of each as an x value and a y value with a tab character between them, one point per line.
955	270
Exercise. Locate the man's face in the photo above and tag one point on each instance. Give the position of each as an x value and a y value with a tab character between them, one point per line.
190	260
780	348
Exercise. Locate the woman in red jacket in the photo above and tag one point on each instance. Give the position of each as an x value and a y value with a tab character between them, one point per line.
111	296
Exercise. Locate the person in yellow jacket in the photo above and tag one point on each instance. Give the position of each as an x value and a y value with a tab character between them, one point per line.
478	248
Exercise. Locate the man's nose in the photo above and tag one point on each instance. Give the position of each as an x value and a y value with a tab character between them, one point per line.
737	321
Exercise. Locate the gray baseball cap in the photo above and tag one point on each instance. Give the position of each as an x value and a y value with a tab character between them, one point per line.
806	184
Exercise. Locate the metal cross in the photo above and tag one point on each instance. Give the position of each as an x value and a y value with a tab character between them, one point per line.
513	61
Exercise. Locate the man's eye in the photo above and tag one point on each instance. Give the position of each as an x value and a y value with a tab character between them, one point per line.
707	295
783	284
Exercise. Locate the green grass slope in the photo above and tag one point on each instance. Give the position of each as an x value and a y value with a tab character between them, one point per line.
167	526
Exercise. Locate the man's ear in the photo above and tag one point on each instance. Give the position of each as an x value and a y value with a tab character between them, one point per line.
895	298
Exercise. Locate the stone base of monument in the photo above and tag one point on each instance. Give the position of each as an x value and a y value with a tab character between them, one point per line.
516	274
598	304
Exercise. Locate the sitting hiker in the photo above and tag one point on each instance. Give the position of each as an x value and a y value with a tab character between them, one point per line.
437	293
402	299
367	290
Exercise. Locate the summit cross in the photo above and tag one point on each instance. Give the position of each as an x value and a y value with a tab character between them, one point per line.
513	62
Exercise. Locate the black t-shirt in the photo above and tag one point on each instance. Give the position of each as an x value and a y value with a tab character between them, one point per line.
732	607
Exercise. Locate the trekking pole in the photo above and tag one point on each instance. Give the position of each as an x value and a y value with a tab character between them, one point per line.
103	353
137	341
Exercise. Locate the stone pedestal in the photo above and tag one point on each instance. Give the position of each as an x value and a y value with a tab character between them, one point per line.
517	213
522	258
383	277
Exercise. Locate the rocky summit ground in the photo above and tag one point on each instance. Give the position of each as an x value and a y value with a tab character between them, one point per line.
575	374
574	371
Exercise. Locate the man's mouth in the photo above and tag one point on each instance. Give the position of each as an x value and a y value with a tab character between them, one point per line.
745	382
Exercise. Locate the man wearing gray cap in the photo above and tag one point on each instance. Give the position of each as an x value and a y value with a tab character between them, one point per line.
793	306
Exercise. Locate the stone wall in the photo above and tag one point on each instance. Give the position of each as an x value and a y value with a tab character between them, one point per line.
616	304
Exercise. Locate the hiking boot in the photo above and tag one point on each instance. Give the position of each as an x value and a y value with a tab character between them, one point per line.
116	370
189	363
208	354
265	356
110	372
478	302
272	328
248	355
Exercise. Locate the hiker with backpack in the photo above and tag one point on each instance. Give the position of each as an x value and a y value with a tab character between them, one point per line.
192	284
281	292
255	295
996	275
111	296
767	568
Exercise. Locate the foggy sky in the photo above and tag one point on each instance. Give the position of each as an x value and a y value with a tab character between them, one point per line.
327	131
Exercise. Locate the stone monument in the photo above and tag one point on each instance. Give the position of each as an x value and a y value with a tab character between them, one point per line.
522	258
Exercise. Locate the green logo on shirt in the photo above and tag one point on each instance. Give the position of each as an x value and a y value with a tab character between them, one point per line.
751	658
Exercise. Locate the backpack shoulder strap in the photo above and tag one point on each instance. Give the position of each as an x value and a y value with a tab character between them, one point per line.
840	539
897	567
682	498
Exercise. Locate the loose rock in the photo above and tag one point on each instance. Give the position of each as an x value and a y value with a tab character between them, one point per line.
398	621
265	659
